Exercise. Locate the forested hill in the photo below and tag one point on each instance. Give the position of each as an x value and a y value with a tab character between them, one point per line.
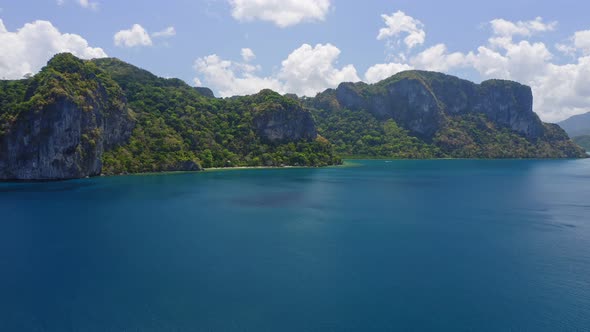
81	118
419	114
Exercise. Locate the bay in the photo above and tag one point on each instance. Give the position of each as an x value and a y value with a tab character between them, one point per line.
442	245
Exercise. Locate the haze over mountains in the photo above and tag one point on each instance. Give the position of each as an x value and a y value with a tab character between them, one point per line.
578	128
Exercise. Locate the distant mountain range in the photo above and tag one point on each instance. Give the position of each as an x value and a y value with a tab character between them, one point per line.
78	118
578	128
577	125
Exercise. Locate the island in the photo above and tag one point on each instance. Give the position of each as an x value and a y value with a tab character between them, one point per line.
79	118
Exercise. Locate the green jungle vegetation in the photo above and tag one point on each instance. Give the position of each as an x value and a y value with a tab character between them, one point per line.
176	123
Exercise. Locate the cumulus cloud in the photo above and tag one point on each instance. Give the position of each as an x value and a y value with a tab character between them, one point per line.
247	54
398	24
311	69
576	44
133	37
560	90
282	13
437	58
168	32
582	41
502	27
382	71
306	71
34	44
230	78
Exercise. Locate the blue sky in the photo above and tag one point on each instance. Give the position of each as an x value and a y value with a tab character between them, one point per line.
305	46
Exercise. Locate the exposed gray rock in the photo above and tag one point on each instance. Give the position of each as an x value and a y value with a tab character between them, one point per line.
205	92
277	123
419	101
62	140
509	104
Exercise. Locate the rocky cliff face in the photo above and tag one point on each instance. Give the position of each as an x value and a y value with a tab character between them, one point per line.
60	141
64	134
283	120
419	101
461	118
66	120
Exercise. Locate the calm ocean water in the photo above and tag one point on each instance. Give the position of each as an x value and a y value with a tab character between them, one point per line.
453	245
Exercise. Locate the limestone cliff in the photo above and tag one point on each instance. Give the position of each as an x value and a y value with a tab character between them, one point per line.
74	119
68	116
282	119
432	106
420	101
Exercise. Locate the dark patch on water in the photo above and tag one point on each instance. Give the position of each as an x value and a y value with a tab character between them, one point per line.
271	200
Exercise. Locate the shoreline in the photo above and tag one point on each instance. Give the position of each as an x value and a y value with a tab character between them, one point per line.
347	163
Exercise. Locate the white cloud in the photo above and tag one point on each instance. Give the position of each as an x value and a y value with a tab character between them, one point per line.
309	70
436	58
168	32
230	79
382	71
282	13
576	44
306	71
560	90
400	23
582	41
566	49
247	54
489	63
34	44
136	36
502	27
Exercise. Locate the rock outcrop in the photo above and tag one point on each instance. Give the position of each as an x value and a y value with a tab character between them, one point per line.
63	129
461	118
419	101
281	119
73	116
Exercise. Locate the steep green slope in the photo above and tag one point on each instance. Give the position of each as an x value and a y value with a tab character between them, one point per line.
81	118
362	135
177	125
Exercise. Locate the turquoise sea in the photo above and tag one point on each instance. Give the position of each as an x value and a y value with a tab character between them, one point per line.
447	245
